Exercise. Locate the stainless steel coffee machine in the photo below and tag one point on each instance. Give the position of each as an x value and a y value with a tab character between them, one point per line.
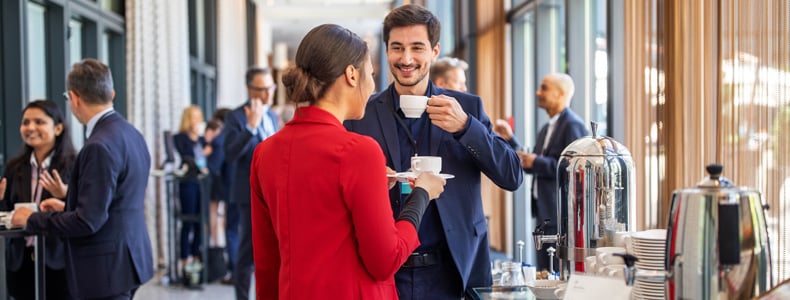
717	243
596	199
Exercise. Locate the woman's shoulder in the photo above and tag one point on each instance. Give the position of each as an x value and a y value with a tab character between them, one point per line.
359	144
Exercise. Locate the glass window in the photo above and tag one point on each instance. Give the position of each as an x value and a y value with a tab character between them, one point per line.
445	11
116	6
37	51
600	72
104	48
75	55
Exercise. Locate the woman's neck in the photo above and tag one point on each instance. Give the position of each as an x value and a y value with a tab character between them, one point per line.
41	154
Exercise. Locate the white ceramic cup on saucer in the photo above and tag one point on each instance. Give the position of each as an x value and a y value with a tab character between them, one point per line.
606	257
432	164
620	238
413	105
591	265
615	271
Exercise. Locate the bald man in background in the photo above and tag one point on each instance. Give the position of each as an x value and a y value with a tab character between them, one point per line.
564	126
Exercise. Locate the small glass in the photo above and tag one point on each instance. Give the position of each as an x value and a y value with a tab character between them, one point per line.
512	275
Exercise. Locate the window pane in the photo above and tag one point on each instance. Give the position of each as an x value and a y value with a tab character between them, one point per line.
75	56
104	48
37	52
116	6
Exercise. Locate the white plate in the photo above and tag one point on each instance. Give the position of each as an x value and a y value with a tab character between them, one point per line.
404	176
654	234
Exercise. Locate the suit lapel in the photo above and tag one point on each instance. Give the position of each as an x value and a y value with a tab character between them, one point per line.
541	139
389	127
559	131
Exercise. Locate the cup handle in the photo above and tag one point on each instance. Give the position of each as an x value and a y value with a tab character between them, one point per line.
559	293
415	164
602	258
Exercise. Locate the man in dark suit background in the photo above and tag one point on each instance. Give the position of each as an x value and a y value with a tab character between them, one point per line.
245	127
107	247
564	127
454	251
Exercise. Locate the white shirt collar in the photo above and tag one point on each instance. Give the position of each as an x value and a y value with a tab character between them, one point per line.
92	122
45	163
554	119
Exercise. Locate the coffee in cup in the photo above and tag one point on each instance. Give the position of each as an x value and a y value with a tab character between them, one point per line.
413	105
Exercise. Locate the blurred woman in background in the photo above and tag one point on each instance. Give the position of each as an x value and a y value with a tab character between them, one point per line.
193	149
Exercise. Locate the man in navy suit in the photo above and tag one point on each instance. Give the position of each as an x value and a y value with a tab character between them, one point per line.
454	251
564	127
107	248
245	127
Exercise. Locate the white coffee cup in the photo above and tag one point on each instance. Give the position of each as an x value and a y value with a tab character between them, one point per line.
606	257
431	164
29	205
620	238
590	264
412	105
615	271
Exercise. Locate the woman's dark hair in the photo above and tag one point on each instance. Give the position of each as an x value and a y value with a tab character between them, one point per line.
321	58
221	113
65	154
410	15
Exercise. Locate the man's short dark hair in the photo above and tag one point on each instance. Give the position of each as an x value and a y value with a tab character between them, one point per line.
255	71
91	80
409	15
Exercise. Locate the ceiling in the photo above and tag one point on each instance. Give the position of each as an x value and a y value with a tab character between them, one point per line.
290	20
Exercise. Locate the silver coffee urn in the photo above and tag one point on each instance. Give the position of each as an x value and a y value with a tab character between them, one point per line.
596	199
717	243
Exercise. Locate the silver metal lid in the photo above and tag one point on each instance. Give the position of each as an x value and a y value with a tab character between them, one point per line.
595	145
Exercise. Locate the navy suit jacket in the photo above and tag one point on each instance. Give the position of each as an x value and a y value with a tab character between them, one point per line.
108	250
460	206
569	127
239	145
18	191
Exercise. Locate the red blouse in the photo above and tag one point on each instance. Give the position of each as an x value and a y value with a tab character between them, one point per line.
322	224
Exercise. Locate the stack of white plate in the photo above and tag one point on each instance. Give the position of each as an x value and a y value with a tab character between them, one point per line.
649	246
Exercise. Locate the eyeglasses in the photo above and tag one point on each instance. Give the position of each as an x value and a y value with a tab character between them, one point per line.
262	89
66	96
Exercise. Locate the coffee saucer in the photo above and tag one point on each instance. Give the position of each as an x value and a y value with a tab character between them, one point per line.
404	176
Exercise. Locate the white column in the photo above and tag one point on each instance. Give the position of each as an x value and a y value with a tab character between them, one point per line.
231	53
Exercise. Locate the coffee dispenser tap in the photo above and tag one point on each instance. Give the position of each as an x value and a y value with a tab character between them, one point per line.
539	235
632	273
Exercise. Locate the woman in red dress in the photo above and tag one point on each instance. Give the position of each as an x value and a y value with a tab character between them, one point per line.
322	224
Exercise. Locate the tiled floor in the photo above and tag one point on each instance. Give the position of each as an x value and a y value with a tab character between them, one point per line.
154	289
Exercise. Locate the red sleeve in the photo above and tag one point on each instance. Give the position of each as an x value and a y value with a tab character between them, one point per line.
384	245
264	241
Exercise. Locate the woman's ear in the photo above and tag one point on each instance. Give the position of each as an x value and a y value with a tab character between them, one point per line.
59	129
352	76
